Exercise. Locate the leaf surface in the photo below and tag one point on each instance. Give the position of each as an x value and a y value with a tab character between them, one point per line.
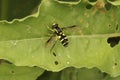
12	72
23	41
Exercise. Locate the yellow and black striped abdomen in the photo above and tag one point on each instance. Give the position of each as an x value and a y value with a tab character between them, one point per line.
63	39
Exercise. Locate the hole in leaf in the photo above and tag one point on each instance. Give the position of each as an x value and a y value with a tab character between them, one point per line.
116	27
113	41
92	0
56	62
12	72
54	54
109	25
89	6
115	64
108	6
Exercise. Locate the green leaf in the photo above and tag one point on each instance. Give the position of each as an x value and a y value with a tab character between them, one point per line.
23	41
114	2
82	74
12	72
77	74
68	1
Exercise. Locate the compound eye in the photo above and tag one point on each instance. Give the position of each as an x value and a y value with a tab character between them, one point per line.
54	25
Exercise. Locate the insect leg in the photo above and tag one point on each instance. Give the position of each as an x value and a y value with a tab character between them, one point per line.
52	39
53	45
49	39
50	29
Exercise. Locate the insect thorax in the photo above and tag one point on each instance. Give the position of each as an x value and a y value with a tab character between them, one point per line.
61	36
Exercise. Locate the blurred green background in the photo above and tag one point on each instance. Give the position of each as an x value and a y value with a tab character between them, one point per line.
11	9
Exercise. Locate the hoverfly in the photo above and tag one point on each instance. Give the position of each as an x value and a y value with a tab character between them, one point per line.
59	34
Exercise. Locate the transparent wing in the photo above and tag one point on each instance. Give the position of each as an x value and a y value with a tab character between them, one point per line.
74	29
69	27
51	42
